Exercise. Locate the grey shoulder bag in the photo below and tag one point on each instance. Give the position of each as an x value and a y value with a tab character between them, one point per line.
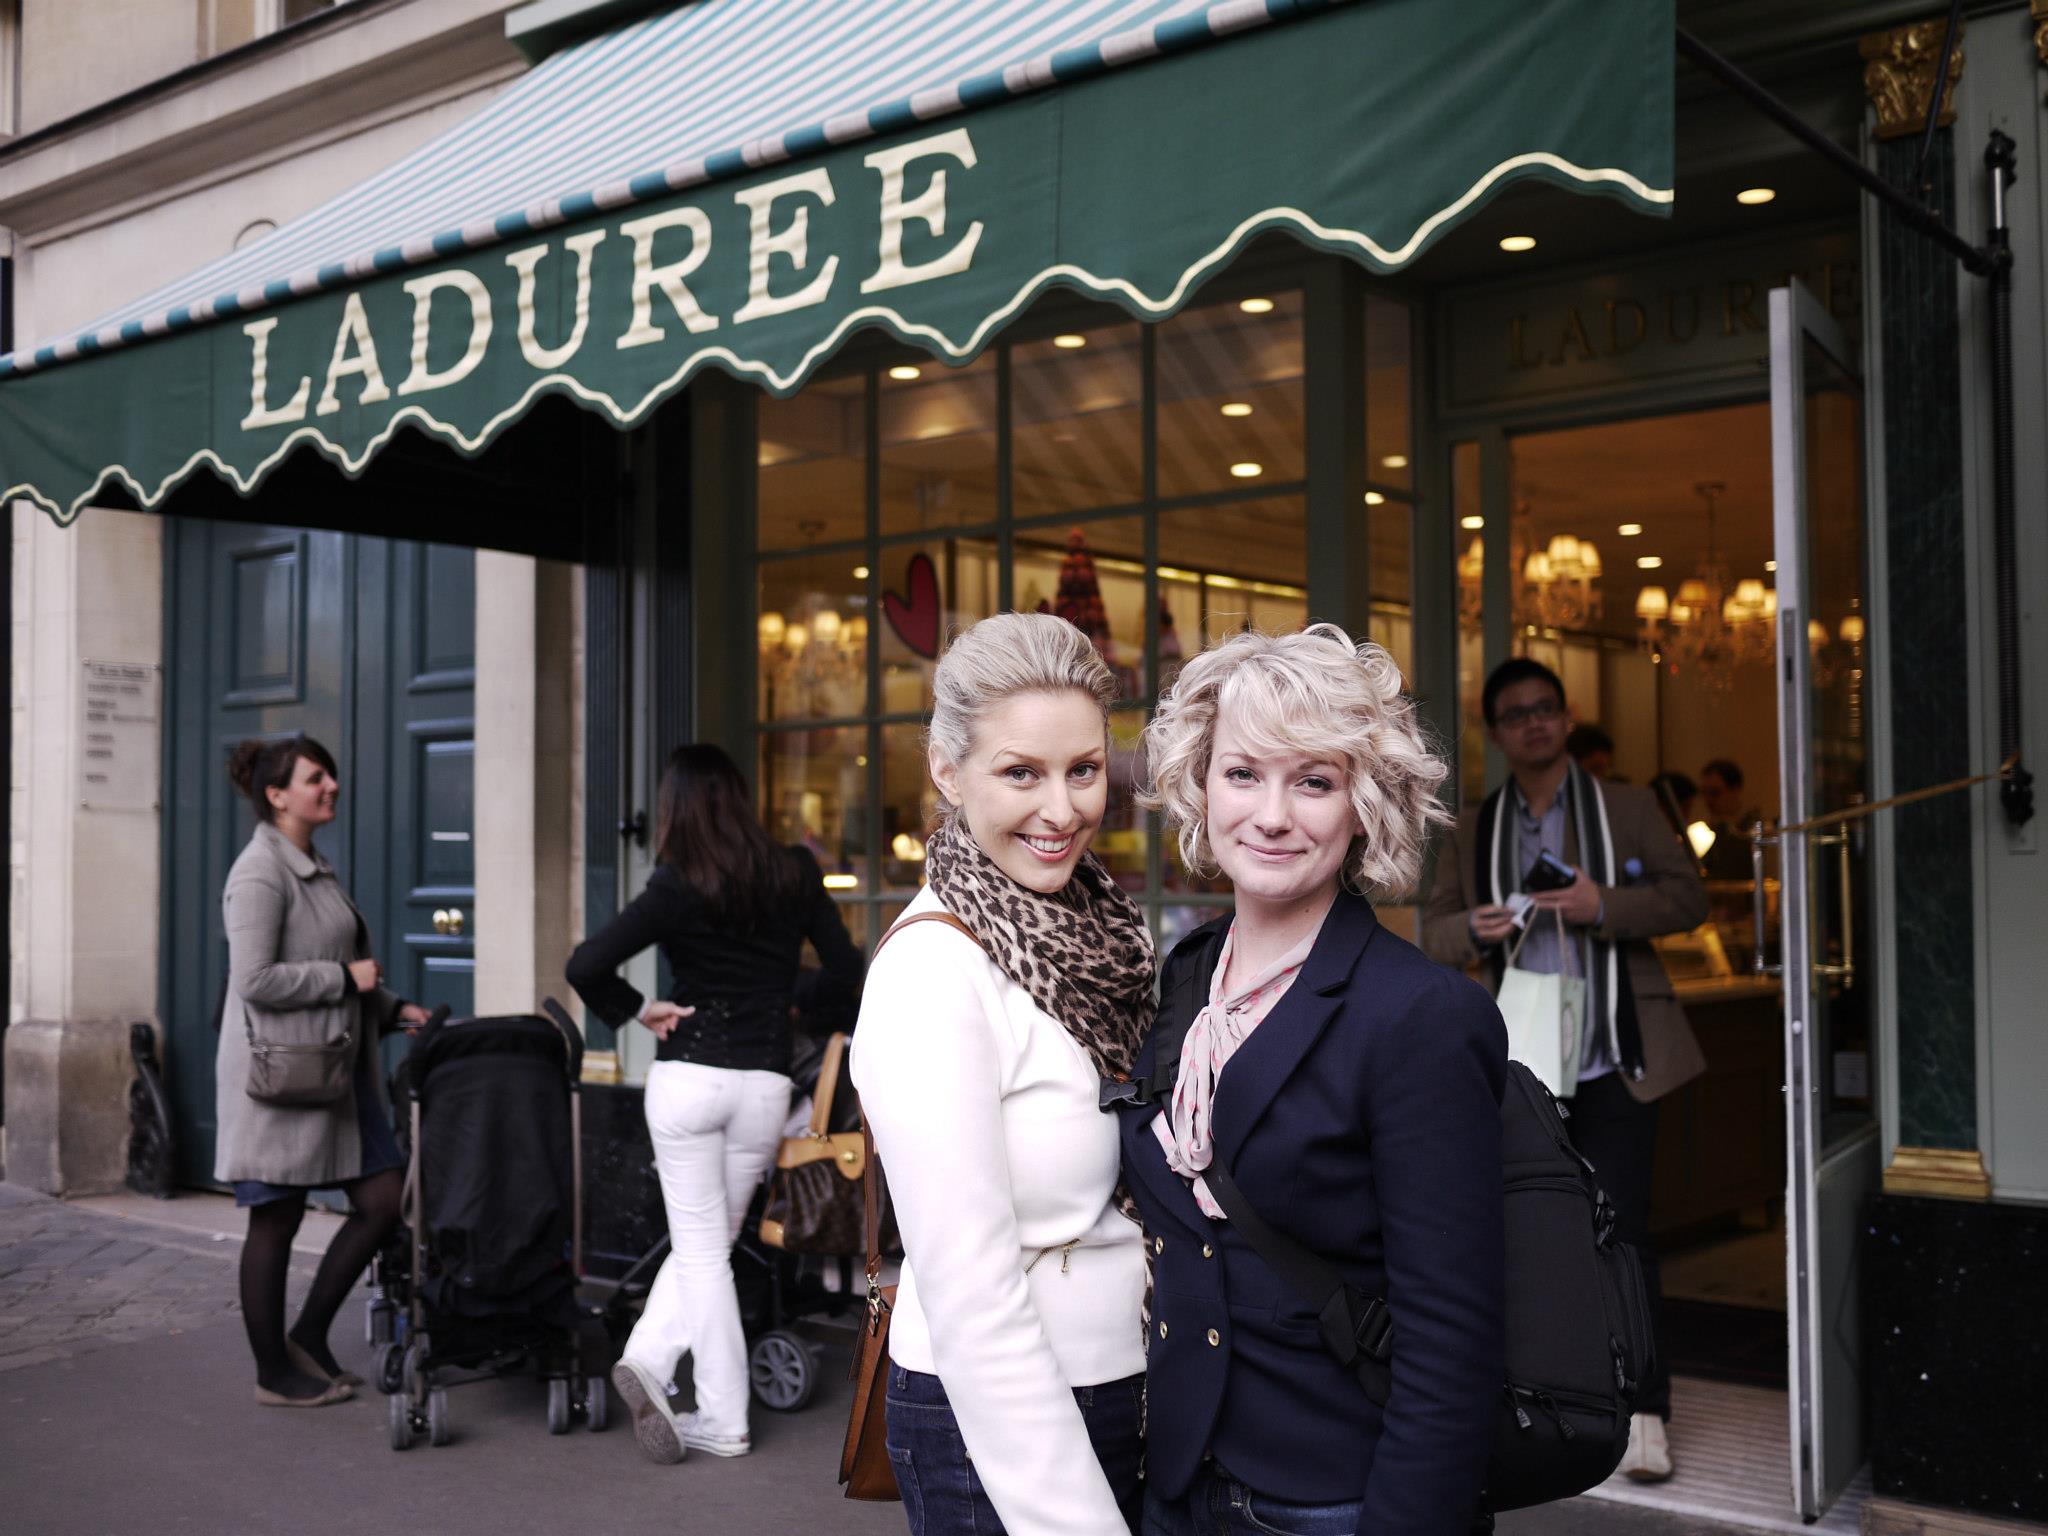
292	1075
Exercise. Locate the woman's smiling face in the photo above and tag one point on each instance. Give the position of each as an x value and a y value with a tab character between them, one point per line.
1034	786
311	795
1280	822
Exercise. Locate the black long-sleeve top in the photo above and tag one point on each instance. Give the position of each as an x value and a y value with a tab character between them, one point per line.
740	980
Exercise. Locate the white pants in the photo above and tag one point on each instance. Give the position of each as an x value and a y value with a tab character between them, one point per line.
715	1132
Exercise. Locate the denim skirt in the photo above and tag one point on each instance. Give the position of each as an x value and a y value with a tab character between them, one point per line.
380	1147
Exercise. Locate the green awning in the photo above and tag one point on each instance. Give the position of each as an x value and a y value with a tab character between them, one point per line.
737	184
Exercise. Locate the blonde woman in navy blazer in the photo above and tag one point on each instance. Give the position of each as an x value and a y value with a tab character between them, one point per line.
1356	1106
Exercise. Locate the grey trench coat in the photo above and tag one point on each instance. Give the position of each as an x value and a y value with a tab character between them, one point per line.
291	929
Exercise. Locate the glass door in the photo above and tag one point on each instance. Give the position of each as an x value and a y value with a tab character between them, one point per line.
1824	772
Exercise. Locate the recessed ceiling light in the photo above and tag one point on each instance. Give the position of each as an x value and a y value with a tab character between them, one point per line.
1247	470
1518	243
1394	461
906	372
1069	341
860	573
1235	408
1256	306
1649	562
1472	523
1771	565
1629	530
1373	498
1755	197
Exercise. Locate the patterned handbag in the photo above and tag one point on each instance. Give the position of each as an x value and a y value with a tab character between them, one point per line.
814	1200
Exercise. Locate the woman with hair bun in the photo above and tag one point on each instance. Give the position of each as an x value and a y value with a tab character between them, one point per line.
1318	1075
300	974
1020	977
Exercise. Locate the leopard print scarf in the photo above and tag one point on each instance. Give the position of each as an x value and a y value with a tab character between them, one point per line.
1083	953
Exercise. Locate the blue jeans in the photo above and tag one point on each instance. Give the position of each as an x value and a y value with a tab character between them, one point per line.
1217	1504
942	1494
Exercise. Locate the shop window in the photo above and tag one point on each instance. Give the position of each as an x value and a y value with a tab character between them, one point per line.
812	458
887	524
938	445
1389	444
1076	438
1230	396
1467	507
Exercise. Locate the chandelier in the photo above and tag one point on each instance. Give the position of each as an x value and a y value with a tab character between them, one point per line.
813	667
1560	582
1709	627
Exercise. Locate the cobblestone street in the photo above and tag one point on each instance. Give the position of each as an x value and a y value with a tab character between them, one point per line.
118	1321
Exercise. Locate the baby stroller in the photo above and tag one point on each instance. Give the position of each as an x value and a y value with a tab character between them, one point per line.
485	1282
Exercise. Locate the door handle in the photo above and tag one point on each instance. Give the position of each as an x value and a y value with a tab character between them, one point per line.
633	828
1758	839
448	921
1843	970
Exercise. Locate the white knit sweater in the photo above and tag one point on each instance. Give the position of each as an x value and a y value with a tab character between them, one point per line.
984	1112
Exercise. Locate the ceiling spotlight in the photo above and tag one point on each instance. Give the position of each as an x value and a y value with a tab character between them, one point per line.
1755	197
1247	470
1518	243
905	372
1629	530
1235	408
1649	562
1771	566
1394	461
1472	523
1069	342
1373	498
1256	306
860	573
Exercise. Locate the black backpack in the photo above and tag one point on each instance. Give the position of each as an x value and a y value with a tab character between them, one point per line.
1578	1322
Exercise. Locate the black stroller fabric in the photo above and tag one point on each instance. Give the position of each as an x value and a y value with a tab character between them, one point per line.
495	1165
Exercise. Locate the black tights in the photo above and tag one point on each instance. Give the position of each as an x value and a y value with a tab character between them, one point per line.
266	1259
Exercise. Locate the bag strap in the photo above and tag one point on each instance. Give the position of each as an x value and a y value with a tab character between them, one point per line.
873	1185
1357	1329
1523	937
828	1084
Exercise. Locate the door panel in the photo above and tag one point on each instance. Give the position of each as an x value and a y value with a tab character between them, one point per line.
368	647
1831	1135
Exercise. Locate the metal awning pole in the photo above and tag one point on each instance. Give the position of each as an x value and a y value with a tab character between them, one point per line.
1925	222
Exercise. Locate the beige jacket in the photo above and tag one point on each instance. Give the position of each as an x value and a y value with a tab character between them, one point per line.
1667	898
291	930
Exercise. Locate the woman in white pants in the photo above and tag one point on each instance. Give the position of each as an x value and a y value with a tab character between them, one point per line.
730	910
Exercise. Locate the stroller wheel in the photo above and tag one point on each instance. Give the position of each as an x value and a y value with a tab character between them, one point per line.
377	1322
438	1432
558	1406
391	1369
597	1404
413	1371
401	1421
783	1374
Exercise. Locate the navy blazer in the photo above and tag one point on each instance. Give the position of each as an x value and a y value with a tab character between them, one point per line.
1362	1119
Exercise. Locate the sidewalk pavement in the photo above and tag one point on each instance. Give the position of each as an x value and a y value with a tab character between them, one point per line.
126	1406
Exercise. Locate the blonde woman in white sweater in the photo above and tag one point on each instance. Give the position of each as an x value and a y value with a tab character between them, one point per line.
1016	1347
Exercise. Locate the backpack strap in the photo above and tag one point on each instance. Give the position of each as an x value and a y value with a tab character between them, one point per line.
1356	1328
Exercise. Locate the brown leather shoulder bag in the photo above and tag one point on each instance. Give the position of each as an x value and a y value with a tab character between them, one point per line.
864	1464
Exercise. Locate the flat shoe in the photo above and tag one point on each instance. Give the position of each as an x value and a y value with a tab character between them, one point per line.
296	1353
336	1393
653	1425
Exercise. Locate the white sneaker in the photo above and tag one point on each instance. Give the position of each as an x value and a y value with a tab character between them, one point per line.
654	1424
691	1428
1648	1458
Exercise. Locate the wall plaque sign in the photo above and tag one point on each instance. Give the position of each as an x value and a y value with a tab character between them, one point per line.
119	742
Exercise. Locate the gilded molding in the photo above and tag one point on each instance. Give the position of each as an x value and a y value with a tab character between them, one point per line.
1942	1171
1898	75
2040	9
601	1067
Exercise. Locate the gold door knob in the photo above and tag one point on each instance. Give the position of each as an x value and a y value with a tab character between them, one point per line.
455	921
440	920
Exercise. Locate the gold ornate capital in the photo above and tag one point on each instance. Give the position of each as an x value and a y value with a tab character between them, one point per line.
2040	9
1898	75
1942	1171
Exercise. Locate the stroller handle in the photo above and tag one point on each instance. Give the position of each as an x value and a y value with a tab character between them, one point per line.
572	1037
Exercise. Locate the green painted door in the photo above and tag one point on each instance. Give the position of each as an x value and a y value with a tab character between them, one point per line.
367	646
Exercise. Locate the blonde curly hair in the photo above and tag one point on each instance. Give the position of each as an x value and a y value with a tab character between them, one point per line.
1312	691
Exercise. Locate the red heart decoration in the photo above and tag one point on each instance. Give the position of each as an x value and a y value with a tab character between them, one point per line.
916	618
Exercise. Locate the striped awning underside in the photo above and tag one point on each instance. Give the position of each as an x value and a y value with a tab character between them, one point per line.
687	96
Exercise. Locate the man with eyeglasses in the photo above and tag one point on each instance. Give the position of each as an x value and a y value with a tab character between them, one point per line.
1630	880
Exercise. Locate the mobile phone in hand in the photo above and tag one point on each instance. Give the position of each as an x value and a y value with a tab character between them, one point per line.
1550	874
